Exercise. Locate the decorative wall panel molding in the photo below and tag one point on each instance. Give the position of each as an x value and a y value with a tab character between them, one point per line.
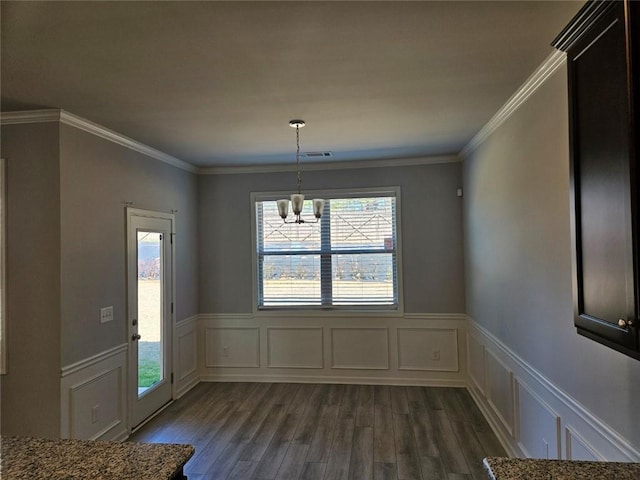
431	349
335	348
475	354
538	426
232	347
295	347
360	348
578	448
186	369
93	397
500	389
541	409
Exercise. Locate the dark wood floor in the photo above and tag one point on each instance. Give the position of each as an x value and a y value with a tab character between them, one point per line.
313	432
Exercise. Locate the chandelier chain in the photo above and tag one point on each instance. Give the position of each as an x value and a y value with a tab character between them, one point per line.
298	157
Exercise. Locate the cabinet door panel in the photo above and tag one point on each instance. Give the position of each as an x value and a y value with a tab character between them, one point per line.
602	191
602	175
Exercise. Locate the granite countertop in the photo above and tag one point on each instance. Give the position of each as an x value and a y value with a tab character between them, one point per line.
501	468
44	459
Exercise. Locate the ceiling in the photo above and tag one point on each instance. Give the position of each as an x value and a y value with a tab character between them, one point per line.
216	83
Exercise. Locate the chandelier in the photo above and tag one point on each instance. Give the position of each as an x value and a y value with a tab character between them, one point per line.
297	199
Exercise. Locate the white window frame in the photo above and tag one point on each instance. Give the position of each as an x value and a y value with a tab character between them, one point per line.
397	310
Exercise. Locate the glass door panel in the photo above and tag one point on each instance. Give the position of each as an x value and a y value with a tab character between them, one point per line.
150	288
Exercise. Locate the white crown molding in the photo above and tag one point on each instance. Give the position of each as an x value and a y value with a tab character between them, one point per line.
62	116
55	115
382	163
552	63
30	116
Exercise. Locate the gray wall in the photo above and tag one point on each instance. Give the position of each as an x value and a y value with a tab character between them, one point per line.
518	259
97	177
66	257
431	225
31	389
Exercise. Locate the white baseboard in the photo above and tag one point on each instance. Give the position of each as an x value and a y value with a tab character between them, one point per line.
413	381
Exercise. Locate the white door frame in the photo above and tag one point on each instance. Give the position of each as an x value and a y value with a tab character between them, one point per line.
132	390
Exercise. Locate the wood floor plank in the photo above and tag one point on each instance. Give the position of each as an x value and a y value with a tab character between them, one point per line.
433	396
274	454
338	466
313	471
336	392
384	447
226	461
343	435
307	426
255	397
340	456
408	467
385	471
471	410
299	402
382	395
432	468
349	403
399	403
491	443
423	431
364	414
406	453
329	432
293	463
241	471
472	450
361	467
415	394
448	445
320	447
265	433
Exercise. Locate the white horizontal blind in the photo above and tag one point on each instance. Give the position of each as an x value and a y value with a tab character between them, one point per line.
348	259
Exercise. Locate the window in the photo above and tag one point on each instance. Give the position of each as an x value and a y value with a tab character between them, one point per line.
347	260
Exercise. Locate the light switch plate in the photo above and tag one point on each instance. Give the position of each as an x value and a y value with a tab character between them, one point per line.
106	314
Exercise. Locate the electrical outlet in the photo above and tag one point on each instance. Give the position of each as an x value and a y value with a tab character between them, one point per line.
95	410
225	351
435	355
106	314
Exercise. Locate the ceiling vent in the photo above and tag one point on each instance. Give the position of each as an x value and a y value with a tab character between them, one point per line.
317	154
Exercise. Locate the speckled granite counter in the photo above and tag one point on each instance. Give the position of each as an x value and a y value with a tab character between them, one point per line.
43	459
500	468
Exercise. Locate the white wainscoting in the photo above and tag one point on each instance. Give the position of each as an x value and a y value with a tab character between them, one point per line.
93	397
294	347
334	348
429	349
186	369
530	415
360	348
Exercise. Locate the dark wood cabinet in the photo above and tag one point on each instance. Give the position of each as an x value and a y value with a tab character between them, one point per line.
602	46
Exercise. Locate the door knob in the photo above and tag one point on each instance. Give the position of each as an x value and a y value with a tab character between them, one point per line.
135	337
622	323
